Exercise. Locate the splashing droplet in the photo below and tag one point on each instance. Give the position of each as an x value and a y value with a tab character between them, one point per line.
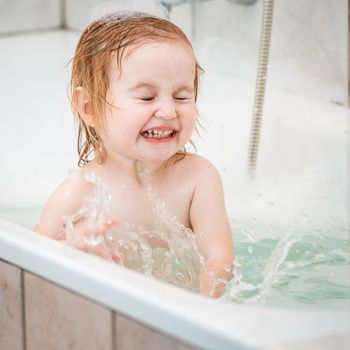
227	267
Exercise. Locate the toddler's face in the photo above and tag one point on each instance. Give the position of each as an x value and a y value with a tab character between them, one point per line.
154	109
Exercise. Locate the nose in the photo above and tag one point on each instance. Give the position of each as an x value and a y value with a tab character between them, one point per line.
166	109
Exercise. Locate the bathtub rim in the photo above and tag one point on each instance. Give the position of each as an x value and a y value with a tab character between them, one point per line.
194	319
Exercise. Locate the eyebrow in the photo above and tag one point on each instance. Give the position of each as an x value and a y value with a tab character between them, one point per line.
185	88
151	86
142	85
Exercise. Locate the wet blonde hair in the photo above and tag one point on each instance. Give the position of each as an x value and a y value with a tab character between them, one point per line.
102	41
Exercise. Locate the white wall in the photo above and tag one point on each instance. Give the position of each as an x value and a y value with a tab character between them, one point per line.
309	40
309	36
23	15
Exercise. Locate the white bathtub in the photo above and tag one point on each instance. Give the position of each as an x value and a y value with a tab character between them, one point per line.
197	320
300	163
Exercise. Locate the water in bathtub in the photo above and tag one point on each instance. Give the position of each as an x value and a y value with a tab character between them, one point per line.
303	267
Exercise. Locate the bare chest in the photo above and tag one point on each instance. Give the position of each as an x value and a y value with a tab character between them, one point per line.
147	205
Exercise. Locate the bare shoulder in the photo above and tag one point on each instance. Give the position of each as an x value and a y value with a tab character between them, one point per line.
197	167
72	190
65	201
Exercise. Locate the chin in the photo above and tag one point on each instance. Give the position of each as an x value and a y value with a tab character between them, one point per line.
160	157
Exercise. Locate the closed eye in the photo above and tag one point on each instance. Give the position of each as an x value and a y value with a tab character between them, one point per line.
147	98
181	98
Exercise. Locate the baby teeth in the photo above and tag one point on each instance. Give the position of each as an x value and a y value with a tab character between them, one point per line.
158	133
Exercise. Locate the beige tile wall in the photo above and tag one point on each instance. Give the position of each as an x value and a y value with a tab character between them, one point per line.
58	319
131	335
11	321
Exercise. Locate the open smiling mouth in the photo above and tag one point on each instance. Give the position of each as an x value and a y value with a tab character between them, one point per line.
155	135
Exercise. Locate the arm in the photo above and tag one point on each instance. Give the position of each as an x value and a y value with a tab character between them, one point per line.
64	203
208	215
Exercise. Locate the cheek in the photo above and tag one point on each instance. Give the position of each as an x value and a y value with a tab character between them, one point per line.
123	119
190	116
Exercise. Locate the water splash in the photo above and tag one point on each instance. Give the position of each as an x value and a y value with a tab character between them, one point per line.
292	266
297	269
168	252
277	257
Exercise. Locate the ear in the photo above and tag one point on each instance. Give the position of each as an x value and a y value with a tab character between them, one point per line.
83	105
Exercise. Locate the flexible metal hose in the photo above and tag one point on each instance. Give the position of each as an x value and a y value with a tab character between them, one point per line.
263	60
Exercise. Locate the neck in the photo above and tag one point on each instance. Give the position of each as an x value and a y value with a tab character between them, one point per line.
143	172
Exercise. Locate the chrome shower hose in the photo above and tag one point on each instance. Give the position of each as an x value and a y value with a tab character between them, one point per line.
263	60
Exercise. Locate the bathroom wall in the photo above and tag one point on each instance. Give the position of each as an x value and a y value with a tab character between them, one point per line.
308	45
25	15
309	39
79	13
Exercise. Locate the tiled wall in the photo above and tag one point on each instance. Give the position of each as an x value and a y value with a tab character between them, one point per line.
39	315
11	307
309	53
17	16
308	45
82	7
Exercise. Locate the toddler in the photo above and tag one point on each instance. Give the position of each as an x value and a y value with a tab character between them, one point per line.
134	87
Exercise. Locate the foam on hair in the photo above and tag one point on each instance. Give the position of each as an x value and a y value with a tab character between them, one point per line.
120	16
